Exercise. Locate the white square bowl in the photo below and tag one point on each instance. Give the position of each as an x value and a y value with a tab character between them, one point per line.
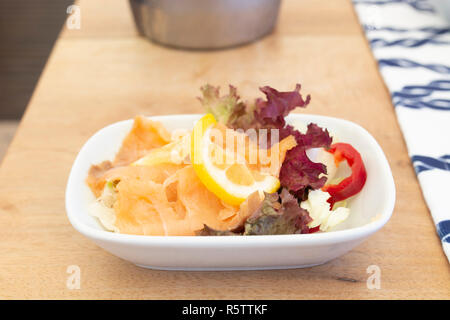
370	210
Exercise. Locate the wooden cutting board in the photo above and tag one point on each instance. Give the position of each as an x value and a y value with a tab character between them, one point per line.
104	72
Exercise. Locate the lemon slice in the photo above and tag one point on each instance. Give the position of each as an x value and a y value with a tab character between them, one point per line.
174	152
232	181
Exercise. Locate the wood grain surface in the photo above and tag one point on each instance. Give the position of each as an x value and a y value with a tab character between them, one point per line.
103	73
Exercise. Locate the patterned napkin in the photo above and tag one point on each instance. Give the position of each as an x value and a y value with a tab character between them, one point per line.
411	41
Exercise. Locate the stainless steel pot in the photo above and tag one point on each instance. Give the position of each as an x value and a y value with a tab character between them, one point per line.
204	24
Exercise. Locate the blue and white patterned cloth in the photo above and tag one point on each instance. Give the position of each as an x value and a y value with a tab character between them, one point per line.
410	39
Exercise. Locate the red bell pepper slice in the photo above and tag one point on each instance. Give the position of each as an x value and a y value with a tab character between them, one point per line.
352	184
315	229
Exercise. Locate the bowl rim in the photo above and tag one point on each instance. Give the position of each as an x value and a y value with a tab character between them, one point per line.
337	236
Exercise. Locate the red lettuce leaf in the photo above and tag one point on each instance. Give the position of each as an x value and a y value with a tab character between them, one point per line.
315	136
298	172
267	114
278	214
270	113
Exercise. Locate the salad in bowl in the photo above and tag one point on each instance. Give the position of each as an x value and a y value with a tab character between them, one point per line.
241	170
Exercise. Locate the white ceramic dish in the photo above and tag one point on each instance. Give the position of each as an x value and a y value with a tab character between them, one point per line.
370	210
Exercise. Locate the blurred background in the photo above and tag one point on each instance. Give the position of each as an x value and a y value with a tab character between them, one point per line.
28	30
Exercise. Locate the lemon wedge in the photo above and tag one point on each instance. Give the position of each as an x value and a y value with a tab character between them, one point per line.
231	181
